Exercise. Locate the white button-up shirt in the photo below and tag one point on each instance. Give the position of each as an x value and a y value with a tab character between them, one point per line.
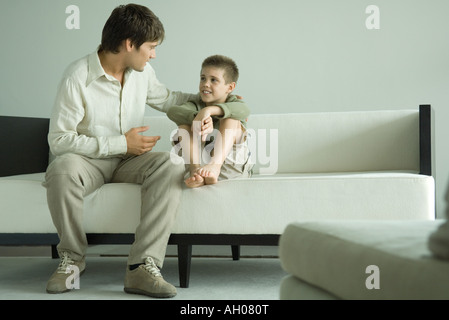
92	110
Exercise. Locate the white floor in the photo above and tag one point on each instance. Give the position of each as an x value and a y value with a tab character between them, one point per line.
214	275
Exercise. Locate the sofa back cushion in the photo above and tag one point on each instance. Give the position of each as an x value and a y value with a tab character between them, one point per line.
324	142
23	144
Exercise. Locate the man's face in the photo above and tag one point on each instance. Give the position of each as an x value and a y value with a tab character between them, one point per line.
213	86
140	56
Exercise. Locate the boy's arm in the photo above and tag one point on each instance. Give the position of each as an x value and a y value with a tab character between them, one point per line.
183	114
233	108
161	98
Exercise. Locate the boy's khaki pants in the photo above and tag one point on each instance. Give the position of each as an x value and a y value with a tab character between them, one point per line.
71	177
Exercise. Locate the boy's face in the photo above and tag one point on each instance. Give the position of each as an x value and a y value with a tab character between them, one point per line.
213	87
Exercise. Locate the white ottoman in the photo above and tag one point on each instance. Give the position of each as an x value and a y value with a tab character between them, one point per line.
362	260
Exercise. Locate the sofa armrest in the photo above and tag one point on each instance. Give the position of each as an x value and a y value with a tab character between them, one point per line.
425	140
23	144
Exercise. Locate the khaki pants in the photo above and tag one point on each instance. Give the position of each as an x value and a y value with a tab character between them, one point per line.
71	177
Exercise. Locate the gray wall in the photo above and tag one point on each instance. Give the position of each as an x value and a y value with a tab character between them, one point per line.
294	56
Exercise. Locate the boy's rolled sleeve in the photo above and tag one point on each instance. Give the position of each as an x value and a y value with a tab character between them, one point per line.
235	109
183	114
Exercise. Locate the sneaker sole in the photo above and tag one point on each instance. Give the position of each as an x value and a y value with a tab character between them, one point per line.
58	292
150	294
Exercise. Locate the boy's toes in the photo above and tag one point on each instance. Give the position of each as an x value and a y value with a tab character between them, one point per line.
195	181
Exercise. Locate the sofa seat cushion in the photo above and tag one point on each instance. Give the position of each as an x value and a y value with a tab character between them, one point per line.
334	256
266	204
23	205
259	205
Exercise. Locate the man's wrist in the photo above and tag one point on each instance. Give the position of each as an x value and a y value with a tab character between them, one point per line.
117	145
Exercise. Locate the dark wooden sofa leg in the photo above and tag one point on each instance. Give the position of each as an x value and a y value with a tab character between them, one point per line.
54	251
235	252
184	260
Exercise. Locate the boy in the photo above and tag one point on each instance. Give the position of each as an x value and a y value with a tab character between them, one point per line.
216	110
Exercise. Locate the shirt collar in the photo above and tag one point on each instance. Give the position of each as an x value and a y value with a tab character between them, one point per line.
95	68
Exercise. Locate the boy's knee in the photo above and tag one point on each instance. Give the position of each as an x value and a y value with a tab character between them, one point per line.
231	126
230	122
185	127
231	129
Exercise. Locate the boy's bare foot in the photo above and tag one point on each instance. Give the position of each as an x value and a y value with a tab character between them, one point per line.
210	173
195	181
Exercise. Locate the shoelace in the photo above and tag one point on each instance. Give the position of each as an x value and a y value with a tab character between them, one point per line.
151	267
65	264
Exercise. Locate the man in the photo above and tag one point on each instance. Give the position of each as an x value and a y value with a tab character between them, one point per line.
95	133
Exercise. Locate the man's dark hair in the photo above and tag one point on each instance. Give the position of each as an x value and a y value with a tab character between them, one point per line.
134	22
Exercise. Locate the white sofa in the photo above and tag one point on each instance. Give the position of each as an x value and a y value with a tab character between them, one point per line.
308	166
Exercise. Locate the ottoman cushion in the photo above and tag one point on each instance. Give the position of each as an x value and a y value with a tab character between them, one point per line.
334	256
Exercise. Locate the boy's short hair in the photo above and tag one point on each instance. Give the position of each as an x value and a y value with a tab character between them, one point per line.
231	72
131	21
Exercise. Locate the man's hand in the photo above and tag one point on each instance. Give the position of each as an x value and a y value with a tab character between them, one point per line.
139	144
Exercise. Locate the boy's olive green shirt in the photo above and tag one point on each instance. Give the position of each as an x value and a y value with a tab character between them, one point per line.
233	108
